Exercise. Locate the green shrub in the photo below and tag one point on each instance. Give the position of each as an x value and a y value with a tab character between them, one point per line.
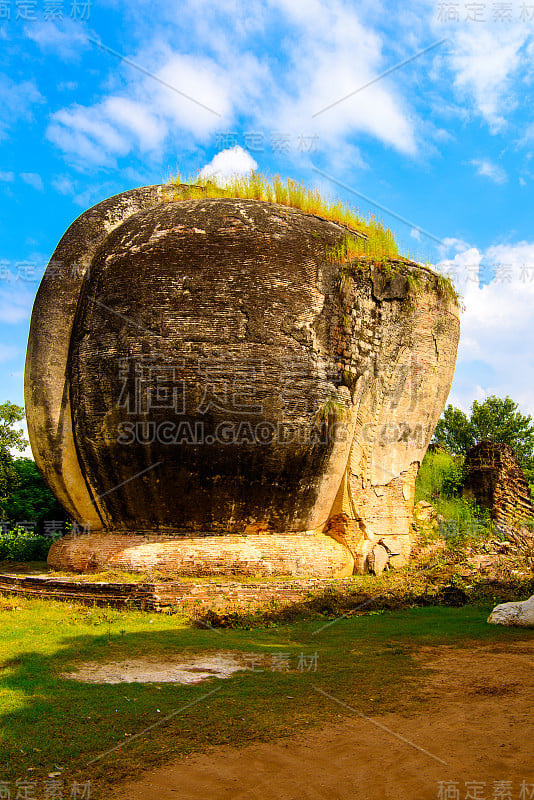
18	544
440	475
453	476
439	482
30	498
464	521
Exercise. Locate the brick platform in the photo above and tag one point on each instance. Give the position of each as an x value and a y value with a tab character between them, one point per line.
159	596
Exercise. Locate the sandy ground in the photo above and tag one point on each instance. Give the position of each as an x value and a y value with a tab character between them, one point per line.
478	719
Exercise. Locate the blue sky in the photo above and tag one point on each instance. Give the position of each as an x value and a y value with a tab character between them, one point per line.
102	97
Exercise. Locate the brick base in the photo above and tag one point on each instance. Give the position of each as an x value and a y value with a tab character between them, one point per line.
306	555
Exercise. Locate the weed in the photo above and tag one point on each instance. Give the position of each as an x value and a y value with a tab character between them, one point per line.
332	411
378	245
370	237
369	242
349	379
415	283
347	323
445	288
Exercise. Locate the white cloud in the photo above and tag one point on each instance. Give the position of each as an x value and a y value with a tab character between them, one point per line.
87	136
485	60
488	169
325	53
134	117
81	150
68	86
451	244
8	177
149	113
495	354
334	55
63	184
228	163
93	125
464	267
209	89
16	101
33	179
463	397
66	40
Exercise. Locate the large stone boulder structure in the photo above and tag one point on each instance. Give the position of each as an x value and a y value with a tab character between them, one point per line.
209	390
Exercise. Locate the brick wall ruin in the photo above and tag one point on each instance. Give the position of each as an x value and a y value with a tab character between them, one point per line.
496	482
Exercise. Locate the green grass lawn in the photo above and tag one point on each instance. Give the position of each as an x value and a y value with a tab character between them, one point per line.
51	724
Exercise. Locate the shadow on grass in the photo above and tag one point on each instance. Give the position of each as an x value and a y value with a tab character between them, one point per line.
51	724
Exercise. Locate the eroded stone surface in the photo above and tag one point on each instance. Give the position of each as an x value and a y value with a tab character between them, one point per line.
225	397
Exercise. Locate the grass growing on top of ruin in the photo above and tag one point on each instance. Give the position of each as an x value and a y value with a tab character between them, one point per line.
375	240
367	239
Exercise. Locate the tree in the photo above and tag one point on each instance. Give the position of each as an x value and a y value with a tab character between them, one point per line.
10	438
23	492
9	480
454	431
31	499
500	421
495	420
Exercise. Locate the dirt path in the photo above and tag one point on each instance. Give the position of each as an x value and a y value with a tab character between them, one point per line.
477	718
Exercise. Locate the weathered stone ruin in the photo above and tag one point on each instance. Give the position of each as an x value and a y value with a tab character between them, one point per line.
210	391
496	482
